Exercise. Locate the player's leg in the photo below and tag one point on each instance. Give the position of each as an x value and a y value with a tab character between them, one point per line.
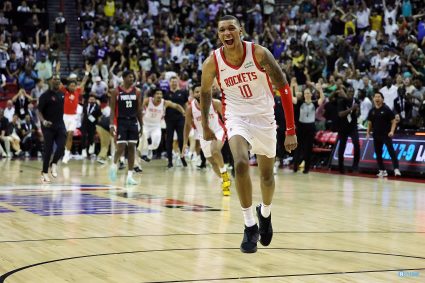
267	183
156	136
119	149
239	148
133	135
59	139
180	128
216	147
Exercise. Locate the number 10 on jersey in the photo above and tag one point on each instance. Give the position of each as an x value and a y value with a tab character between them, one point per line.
245	91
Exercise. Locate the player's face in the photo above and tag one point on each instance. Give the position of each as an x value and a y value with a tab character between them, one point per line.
71	87
229	33
197	93
157	96
129	80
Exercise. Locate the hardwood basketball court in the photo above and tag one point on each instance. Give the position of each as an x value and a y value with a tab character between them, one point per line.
176	227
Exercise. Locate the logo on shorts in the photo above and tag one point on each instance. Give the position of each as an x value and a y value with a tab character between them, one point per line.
119	136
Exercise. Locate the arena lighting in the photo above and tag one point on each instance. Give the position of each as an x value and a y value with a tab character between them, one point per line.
420	134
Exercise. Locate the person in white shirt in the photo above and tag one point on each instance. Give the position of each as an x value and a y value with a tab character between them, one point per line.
390	11
100	88
365	106
381	64
9	111
391	29
363	17
389	91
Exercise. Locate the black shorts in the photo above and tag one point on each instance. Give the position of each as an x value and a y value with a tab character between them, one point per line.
127	130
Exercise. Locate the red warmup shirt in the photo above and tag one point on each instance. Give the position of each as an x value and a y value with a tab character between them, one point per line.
70	105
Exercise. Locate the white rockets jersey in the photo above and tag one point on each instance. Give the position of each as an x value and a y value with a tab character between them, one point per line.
213	121
154	114
247	89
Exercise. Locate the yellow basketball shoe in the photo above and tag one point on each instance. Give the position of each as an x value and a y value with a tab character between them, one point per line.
225	183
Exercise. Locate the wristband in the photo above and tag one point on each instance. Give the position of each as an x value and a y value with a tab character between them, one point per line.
86	73
288	109
111	126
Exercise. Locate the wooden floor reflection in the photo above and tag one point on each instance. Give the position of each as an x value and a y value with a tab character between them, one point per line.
176	227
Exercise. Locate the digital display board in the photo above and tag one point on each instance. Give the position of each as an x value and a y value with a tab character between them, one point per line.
409	149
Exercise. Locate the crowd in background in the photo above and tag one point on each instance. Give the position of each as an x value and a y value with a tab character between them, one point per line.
338	48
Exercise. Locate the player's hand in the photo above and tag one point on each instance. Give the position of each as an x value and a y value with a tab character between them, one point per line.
391	134
209	135
112	130
290	143
47	124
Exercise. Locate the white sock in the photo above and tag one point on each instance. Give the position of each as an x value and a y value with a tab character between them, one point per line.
130	174
266	210
114	166
67	152
248	216
222	170
122	159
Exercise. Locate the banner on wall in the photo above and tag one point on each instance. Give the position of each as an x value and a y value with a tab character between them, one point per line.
409	149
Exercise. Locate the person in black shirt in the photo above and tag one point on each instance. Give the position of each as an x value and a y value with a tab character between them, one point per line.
348	111
21	101
4	125
382	123
50	111
91	113
403	108
174	119
126	109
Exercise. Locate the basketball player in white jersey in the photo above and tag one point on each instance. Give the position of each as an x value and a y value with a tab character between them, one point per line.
245	73
154	112
212	148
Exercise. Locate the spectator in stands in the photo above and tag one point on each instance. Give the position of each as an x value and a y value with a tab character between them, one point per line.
21	101
60	30
4	125
389	91
99	70
365	106
2	83
403	108
12	136
44	67
13	67
348	111
4	57
27	79
382	124
100	88
9	111
23	7
39	89
30	137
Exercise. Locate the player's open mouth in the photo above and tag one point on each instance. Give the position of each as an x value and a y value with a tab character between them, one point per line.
228	41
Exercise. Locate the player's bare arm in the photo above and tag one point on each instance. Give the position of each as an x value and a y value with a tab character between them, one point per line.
139	96
217	106
173	105
208	76
278	78
266	60
187	127
112	116
145	102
